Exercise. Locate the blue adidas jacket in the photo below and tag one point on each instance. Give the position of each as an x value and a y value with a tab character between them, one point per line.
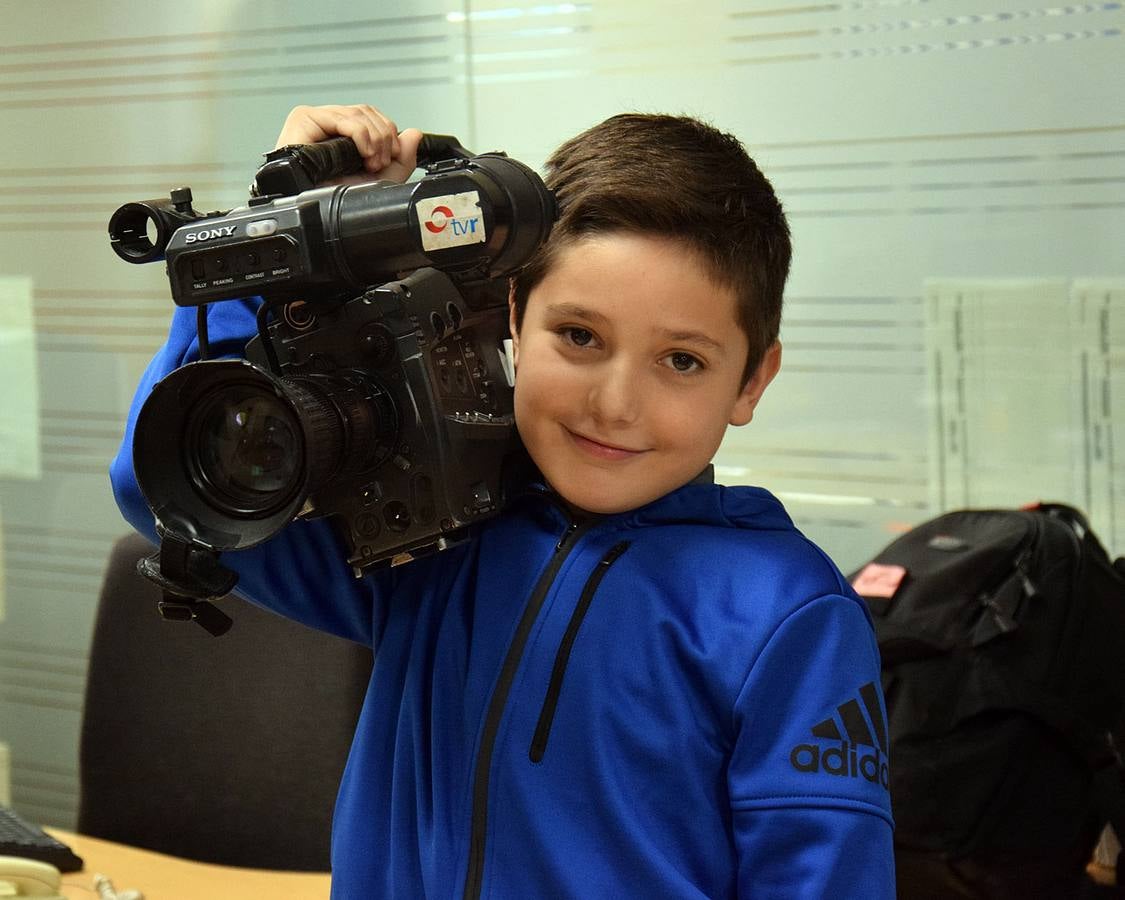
680	701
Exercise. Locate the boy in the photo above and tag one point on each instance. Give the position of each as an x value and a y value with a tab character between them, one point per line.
634	682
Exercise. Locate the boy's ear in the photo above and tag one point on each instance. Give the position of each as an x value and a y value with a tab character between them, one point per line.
512	322
752	391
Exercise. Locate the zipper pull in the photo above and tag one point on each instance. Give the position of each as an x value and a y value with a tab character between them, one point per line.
567	535
1029	589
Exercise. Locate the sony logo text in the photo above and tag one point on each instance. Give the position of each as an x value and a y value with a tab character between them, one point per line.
210	234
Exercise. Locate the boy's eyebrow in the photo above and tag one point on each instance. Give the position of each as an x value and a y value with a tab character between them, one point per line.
693	337
573	310
577	311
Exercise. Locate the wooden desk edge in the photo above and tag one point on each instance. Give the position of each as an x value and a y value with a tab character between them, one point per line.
163	877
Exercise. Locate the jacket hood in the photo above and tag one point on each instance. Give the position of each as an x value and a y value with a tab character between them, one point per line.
700	502
706	503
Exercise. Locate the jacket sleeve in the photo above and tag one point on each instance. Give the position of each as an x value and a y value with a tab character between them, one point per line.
301	573
810	808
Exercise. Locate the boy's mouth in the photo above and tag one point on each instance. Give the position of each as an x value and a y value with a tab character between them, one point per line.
602	450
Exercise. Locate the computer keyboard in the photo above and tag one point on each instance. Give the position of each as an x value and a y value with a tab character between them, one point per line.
20	838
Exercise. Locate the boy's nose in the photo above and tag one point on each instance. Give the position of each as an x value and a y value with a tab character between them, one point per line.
614	396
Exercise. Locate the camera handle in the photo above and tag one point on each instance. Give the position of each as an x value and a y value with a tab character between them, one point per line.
190	577
295	168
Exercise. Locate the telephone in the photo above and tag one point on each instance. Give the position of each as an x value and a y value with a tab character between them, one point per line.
21	877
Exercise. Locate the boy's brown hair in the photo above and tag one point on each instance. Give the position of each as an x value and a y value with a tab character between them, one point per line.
679	178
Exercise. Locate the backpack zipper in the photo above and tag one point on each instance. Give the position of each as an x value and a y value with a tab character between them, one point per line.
475	876
547	715
1006	619
1081	561
1005	616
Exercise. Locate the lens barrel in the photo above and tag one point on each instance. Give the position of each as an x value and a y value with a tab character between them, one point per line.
244	449
227	453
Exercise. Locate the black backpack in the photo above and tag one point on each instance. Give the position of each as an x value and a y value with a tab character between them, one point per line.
1002	634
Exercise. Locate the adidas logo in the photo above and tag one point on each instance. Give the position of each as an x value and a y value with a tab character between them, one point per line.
849	759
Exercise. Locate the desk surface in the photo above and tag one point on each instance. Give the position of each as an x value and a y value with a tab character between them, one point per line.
161	877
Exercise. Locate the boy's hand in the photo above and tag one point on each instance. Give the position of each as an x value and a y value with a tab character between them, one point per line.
386	153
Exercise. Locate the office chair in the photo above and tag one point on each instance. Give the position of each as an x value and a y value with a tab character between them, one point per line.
226	750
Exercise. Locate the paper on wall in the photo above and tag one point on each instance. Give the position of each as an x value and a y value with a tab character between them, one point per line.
19	381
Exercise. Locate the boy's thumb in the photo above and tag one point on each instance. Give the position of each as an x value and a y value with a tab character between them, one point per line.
408	141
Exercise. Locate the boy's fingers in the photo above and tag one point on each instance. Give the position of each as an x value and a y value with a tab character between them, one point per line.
407	152
309	124
406	157
367	129
382	134
373	133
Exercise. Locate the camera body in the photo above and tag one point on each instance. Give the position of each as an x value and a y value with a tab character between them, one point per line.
447	386
392	412
378	390
475	218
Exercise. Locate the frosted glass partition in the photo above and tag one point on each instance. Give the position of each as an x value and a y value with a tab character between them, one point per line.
1098	329
954	174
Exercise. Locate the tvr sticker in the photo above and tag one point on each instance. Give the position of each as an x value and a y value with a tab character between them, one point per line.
453	220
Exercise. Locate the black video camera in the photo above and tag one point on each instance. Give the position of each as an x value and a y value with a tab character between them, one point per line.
377	389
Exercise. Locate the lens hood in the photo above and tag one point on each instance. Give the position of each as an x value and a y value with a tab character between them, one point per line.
206	434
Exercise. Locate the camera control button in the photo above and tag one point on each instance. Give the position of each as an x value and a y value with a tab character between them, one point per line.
261	228
481	498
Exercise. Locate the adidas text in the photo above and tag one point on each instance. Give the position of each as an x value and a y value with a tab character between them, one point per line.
844	760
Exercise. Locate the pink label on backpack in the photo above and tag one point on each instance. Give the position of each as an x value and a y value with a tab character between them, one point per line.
879	581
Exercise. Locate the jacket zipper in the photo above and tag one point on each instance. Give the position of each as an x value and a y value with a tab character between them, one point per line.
475	876
547	715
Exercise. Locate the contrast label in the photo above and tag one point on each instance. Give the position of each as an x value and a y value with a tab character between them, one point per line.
453	220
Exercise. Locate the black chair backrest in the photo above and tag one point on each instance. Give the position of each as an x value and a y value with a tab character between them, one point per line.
226	750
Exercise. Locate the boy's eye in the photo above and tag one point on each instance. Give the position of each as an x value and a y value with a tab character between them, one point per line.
580	337
684	362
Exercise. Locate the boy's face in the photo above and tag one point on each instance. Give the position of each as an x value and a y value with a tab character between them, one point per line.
629	369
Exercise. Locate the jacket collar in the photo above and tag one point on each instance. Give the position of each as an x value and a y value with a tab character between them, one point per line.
700	501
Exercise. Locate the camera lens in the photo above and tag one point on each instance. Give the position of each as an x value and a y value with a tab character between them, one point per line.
253	447
246	449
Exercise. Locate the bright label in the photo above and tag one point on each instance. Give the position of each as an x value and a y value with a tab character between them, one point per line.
450	221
